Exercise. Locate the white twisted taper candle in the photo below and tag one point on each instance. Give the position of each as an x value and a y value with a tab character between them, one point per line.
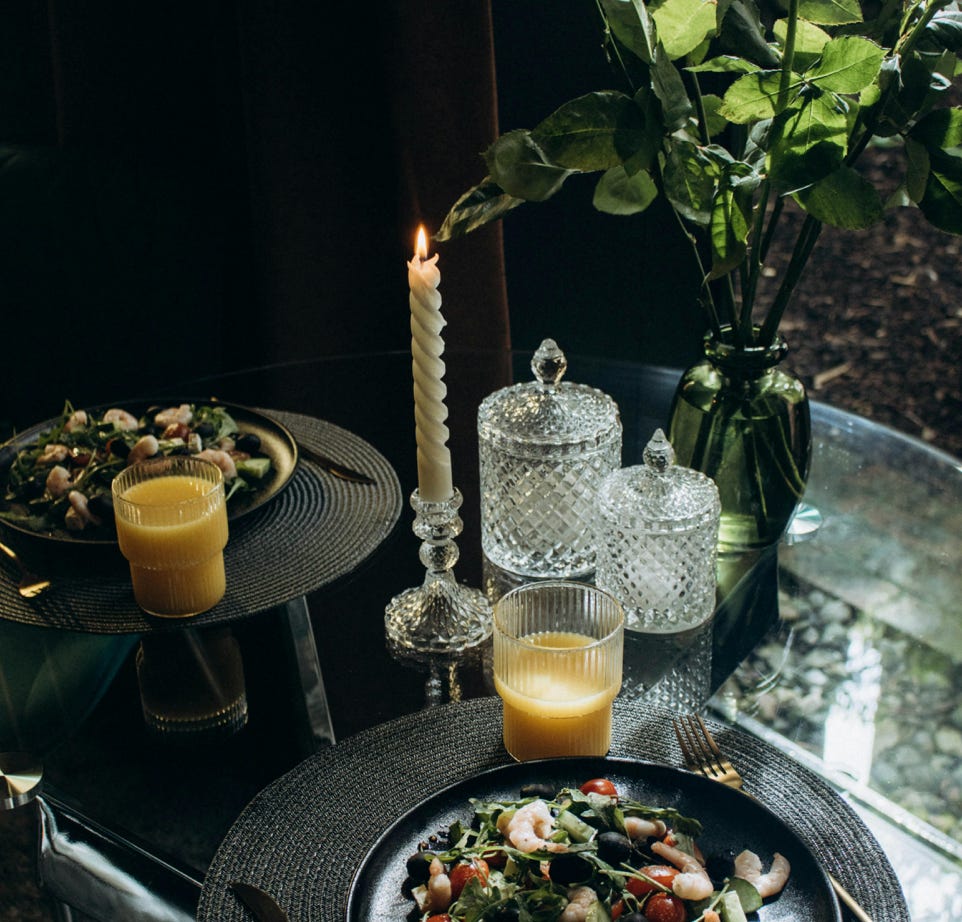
434	458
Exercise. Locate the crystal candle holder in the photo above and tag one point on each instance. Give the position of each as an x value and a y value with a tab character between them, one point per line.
441	616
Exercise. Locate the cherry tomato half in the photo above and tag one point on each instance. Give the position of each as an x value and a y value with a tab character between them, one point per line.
441	917
659	873
460	874
664	907
599	786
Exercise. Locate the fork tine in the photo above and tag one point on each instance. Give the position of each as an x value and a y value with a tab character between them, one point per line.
686	753
706	756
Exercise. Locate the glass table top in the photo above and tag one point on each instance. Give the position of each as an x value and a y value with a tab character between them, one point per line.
843	648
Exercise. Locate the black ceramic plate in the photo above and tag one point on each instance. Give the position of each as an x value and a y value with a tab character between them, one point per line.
277	443
731	823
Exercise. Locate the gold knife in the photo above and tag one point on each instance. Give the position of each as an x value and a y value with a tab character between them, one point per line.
334	467
261	904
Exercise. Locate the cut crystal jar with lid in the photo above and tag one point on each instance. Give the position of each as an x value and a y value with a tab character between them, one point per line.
657	538
545	447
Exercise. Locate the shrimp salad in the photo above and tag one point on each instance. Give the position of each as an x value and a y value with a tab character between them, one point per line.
583	855
60	484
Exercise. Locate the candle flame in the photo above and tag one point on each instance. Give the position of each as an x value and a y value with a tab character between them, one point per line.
421	248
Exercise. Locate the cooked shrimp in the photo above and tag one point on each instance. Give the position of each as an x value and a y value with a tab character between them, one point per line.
79	516
145	447
121	419
181	414
693	883
710	916
748	866
223	460
638	828
439	887
78	419
528	828
58	481
580	900
53	453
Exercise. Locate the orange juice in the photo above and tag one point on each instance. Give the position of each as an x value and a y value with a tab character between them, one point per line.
552	708
174	541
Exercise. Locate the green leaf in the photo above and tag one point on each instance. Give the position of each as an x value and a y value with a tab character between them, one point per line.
478	206
593	132
690	179
519	167
729	233
748	895
830	12
942	202
752	98
848	64
632	25
917	169
668	86
944	31
807	142
724	64
939	130
621	194
809	41
843	199
682	25
743	34
717	123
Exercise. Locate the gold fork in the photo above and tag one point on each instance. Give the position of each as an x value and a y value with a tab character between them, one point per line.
702	755
30	585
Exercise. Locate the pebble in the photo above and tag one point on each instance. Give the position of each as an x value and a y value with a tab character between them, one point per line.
905	691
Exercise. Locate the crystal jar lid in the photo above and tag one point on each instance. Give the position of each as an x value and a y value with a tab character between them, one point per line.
548	413
660	492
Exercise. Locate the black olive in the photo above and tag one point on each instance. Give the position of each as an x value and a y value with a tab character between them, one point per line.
614	848
545	791
509	913
634	917
248	442
205	430
180	450
570	868
102	506
720	866
418	866
33	488
118	448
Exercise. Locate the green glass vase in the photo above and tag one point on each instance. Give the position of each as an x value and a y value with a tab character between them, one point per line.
743	420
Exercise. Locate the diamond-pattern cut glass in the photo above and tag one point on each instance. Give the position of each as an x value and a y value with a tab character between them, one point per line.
657	535
545	449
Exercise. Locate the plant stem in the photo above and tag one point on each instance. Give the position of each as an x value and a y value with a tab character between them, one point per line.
788	55
807	238
760	236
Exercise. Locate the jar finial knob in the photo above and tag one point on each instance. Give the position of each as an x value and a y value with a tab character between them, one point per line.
658	454
549	363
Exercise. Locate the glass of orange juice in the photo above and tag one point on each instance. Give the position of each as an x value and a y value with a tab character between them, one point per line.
171	520
558	652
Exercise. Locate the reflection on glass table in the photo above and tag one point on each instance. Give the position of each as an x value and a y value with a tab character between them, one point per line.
859	678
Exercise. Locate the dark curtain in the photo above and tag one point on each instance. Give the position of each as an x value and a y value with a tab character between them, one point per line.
193	187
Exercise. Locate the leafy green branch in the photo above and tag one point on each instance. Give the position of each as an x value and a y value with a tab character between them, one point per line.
794	102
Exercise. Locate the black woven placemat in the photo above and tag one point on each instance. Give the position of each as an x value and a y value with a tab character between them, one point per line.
305	835
318	528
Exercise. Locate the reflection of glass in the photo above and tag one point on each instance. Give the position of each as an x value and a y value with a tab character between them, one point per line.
558	650
172	528
192	683
545	446
50	681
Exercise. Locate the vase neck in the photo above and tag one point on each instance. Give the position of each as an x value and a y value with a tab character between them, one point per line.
742	361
